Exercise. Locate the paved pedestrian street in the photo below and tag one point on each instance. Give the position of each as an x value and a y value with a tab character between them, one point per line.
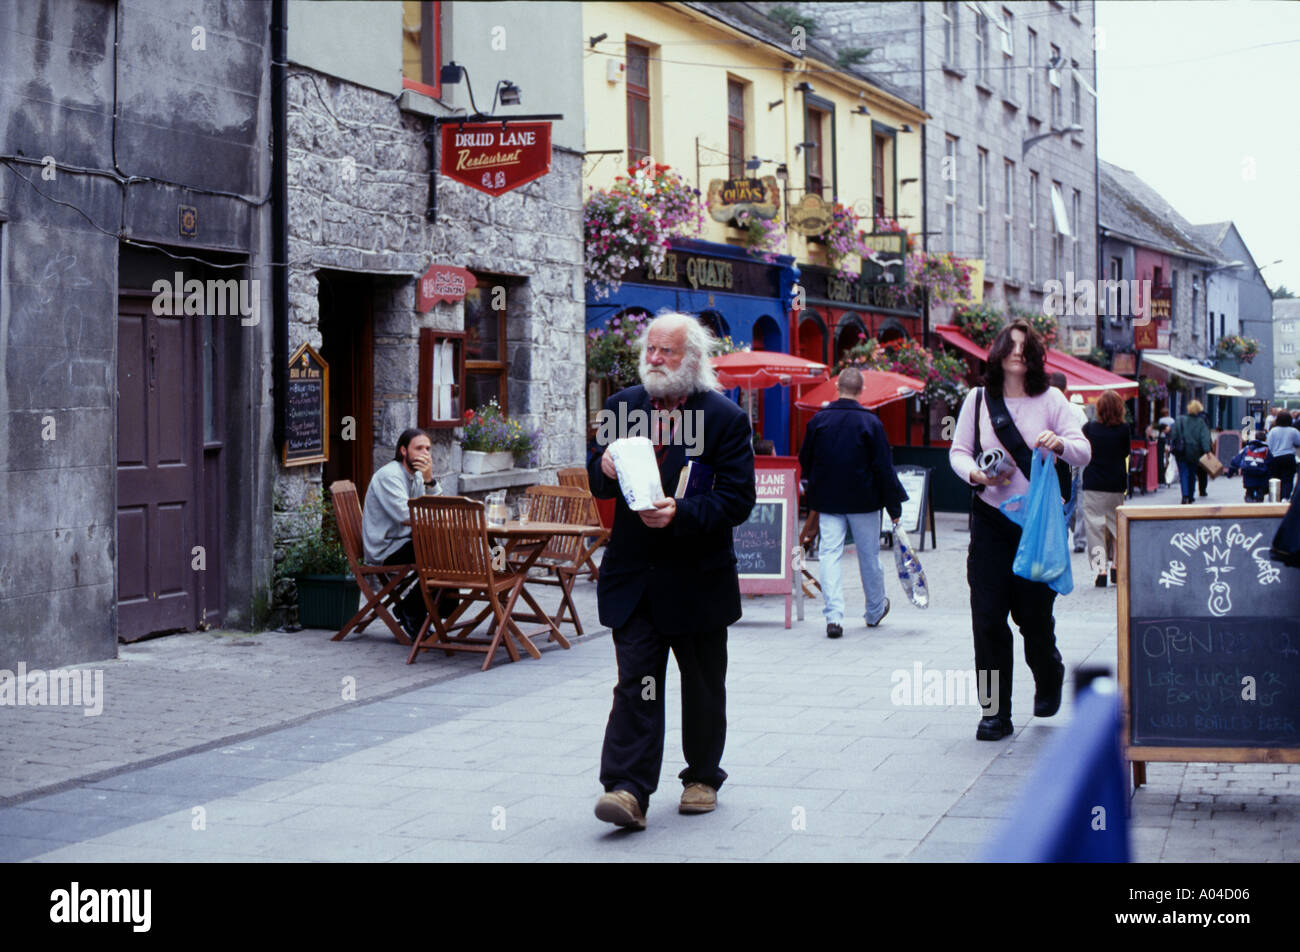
216	747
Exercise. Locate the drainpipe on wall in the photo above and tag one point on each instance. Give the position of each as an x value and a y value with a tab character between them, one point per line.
279	215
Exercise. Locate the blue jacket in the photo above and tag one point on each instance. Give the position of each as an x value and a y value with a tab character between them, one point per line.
848	463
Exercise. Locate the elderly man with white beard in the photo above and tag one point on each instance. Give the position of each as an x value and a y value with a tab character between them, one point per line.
668	578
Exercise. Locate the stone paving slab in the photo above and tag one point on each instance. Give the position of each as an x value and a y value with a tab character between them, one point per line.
440	762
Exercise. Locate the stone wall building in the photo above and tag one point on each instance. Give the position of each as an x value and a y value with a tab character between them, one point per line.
134	447
359	236
1010	153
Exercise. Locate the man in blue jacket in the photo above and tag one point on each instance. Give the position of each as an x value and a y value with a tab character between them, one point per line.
668	579
850	471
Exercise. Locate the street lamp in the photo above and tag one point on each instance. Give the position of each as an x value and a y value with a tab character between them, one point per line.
1024	146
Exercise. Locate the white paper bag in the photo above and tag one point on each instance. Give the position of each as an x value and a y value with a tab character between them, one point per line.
638	472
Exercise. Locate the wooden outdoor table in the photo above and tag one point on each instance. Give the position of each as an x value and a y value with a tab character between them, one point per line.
527	540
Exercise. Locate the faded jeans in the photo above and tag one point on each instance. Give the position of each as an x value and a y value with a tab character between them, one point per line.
866	536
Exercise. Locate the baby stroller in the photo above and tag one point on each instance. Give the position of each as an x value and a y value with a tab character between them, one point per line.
1253	463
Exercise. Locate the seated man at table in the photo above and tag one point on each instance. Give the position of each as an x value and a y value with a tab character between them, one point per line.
668	579
387	540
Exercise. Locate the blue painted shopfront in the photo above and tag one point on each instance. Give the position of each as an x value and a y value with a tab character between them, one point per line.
732	292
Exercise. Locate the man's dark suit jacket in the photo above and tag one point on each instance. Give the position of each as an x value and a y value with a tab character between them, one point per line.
847	461
688	568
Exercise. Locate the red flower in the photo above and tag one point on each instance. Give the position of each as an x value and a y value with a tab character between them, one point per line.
469	415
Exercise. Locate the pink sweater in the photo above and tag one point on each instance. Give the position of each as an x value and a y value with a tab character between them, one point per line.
1047	411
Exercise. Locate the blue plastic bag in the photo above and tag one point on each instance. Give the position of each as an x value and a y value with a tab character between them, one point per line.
1044	551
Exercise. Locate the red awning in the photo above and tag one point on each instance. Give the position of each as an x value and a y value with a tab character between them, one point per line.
1081	377
951	334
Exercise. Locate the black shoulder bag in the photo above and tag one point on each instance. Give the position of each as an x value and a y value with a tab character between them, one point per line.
1014	443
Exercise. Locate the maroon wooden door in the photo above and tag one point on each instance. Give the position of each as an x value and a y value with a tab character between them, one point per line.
158	456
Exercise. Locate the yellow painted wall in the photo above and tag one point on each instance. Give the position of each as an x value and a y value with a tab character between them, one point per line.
692	57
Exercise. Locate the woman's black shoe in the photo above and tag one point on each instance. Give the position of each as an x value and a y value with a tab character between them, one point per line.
1114	577
993	728
1101	581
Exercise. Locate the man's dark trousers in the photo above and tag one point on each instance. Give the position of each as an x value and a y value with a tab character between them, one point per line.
633	753
411	611
994	591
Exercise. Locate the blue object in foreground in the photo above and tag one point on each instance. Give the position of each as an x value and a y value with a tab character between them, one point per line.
1074	809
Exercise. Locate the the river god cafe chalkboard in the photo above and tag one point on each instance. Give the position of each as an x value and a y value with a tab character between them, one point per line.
1209	636
306	409
763	542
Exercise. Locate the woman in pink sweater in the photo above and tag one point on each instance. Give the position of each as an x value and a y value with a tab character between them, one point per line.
1043	417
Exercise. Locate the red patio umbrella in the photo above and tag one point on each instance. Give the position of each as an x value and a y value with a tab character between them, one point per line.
758	369
878	388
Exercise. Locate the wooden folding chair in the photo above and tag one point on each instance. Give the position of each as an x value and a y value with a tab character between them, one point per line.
564	556
577	476
452	553
382	585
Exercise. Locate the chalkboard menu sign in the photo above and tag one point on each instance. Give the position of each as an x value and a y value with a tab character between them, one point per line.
1209	636
760	541
764	542
306	408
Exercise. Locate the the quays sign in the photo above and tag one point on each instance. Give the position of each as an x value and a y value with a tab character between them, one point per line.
703	273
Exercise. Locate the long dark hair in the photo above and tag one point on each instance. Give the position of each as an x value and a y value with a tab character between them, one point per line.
404	440
1035	353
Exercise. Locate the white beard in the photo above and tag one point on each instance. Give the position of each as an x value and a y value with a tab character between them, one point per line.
664	384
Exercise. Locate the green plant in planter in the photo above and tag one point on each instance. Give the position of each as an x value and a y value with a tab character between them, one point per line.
1098	358
315	560
491	431
612	352
316	548
1245	349
979	322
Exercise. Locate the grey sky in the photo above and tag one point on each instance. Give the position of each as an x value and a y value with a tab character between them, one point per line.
1195	98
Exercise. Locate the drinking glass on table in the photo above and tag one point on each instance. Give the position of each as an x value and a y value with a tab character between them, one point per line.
495	510
525	507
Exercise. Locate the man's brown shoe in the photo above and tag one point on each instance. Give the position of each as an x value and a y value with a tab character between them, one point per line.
698	798
620	808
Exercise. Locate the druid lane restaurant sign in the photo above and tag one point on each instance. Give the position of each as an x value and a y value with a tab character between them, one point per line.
496	157
729	197
702	273
443	282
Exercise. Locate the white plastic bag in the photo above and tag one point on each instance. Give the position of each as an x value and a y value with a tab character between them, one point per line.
911	577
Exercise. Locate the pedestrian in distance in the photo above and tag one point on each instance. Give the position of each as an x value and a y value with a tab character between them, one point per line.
1254	462
1190	439
1283	441
849	466
1015	406
1073	510
1105	480
385	529
668	579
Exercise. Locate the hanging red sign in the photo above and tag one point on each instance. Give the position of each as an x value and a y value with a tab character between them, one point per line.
496	158
443	282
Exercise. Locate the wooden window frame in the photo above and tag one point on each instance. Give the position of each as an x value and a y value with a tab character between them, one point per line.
429	339
501	368
430	51
736	125
825	108
638	94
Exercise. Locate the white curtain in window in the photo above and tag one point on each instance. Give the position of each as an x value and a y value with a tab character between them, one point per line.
1059	214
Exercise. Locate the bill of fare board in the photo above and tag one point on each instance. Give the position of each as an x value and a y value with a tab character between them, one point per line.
306	409
496	157
764	541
